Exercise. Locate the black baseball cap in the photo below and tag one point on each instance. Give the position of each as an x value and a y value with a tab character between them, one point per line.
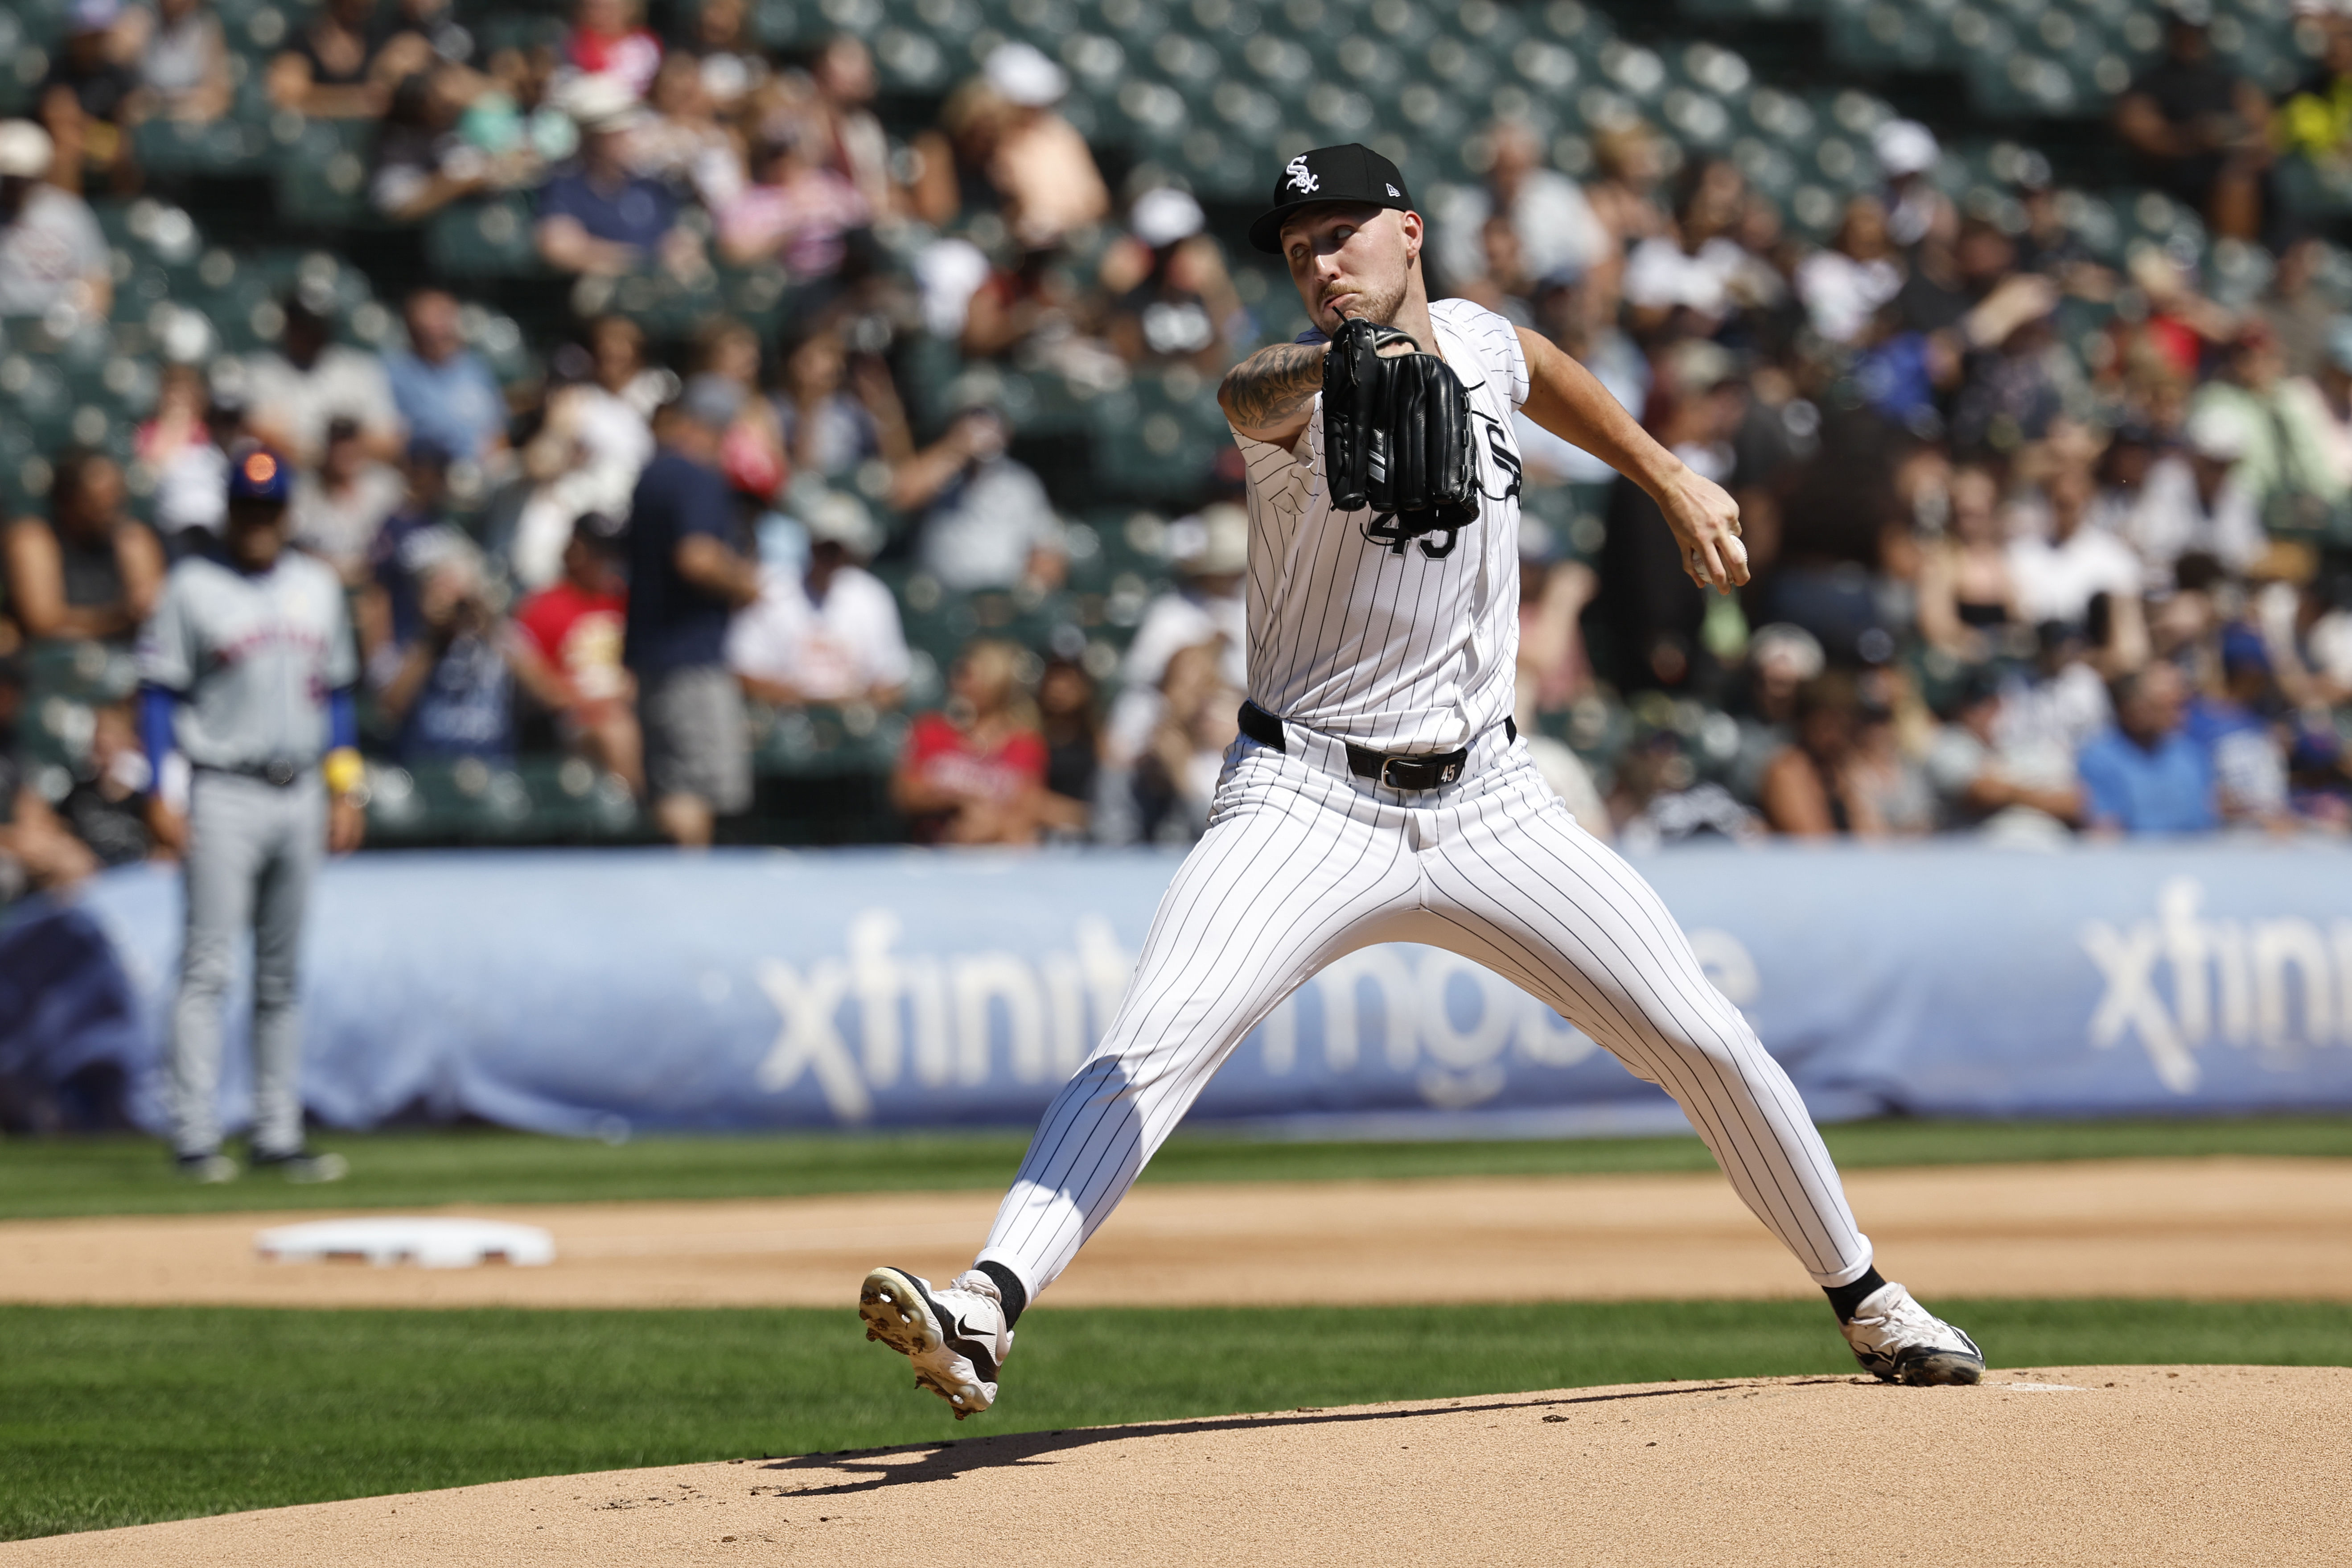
1349	173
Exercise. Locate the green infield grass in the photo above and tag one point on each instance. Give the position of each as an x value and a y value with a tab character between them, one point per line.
45	1176
119	1415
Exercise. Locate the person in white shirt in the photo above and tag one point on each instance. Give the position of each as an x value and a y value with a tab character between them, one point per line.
1559	235
2194	502
1843	286
292	395
2055	577
828	634
1208	603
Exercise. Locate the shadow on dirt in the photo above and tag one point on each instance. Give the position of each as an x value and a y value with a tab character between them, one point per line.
915	1463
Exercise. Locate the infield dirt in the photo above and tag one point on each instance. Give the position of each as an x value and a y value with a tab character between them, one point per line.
2217	1228
2221	1466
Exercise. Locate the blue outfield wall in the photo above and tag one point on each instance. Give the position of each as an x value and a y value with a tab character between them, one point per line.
598	992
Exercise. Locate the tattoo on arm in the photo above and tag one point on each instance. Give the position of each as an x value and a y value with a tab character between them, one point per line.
1273	385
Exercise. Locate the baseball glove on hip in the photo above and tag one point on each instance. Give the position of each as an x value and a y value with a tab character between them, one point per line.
1396	435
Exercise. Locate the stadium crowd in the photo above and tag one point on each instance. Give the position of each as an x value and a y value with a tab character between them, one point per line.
2013	577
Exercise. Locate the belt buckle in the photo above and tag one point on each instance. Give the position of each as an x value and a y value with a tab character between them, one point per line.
279	773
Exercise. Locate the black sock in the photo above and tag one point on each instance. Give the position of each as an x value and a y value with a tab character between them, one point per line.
1008	1286
1844	1299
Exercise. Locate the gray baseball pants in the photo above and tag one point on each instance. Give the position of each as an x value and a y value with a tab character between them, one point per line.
252	850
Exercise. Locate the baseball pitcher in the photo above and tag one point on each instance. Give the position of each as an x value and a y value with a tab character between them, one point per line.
247	669
1380	791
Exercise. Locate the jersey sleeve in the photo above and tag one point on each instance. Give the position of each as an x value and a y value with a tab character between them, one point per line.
1495	340
168	654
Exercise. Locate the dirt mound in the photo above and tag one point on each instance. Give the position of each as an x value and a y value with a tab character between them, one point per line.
2216	1466
2225	1228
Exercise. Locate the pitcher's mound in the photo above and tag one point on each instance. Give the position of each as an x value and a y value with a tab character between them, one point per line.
2061	1465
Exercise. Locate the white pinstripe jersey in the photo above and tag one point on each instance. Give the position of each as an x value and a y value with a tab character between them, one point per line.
1400	647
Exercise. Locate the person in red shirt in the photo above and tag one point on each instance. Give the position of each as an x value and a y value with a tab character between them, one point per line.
609	39
976	773
572	629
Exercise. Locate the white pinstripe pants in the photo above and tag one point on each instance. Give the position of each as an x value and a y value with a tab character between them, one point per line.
1303	864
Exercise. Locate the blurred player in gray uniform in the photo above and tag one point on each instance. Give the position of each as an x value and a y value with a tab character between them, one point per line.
247	669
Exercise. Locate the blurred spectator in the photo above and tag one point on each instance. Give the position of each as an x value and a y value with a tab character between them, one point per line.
2332	385
515	118
1209	604
36	851
105	806
2021	794
1915	210
573	629
609	39
2299	312
837	411
2234	727
184	444
443	391
1651	612
597	217
2147	774
1041	164
434	649
2316	119
1844	286
1686	281
424	161
855	148
1183	307
1554	671
681	140
976	773
344	61
1780	660
1628	167
725	55
89	571
1572	316
2193	504
831	632
688	573
2055	577
986	521
338	506
1657	798
752	456
2286	469
90	100
1560	238
954	181
1176	776
295	393
1967	589
182	59
1068	718
798	212
2202	131
594	438
52	252
445	683
1821	785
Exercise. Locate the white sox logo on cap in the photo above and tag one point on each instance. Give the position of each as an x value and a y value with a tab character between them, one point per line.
1301	178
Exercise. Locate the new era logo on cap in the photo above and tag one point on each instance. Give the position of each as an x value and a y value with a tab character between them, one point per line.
1349	173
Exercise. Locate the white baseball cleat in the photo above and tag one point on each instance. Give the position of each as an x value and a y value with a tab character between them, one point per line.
957	1338
1900	1340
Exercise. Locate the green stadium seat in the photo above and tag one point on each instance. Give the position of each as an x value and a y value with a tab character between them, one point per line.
491	237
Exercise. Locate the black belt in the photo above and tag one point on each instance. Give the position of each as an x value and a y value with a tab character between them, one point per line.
1396	769
281	773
